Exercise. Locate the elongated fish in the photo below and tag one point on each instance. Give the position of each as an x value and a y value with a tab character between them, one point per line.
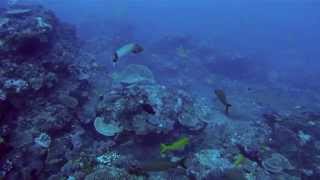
125	50
223	99
177	145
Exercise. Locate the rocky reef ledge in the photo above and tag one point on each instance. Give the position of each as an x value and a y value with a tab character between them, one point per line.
40	93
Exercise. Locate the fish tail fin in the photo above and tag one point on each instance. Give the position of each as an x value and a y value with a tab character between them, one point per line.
163	148
227	108
137	49
115	58
182	163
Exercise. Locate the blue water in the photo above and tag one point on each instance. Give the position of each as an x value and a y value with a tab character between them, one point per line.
283	34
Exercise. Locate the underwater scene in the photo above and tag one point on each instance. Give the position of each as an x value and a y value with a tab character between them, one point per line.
159	90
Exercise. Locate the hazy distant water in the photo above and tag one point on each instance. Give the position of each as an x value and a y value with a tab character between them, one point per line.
285	32
249	24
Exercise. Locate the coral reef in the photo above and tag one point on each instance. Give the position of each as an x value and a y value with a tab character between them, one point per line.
123	106
43	140
133	74
63	115
46	94
27	31
289	137
36	54
107	129
209	161
109	173
276	163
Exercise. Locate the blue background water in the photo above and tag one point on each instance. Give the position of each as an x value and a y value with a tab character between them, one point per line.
284	34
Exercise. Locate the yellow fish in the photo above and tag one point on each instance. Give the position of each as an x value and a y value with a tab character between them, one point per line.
239	160
177	145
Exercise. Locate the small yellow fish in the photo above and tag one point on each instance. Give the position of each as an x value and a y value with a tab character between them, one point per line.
239	160
177	145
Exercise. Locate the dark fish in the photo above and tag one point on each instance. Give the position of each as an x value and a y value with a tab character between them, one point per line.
156	166
148	108
223	99
252	154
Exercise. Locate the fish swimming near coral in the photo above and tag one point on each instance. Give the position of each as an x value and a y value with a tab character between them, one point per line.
177	145
156	166
223	99
148	108
125	50
251	154
239	160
